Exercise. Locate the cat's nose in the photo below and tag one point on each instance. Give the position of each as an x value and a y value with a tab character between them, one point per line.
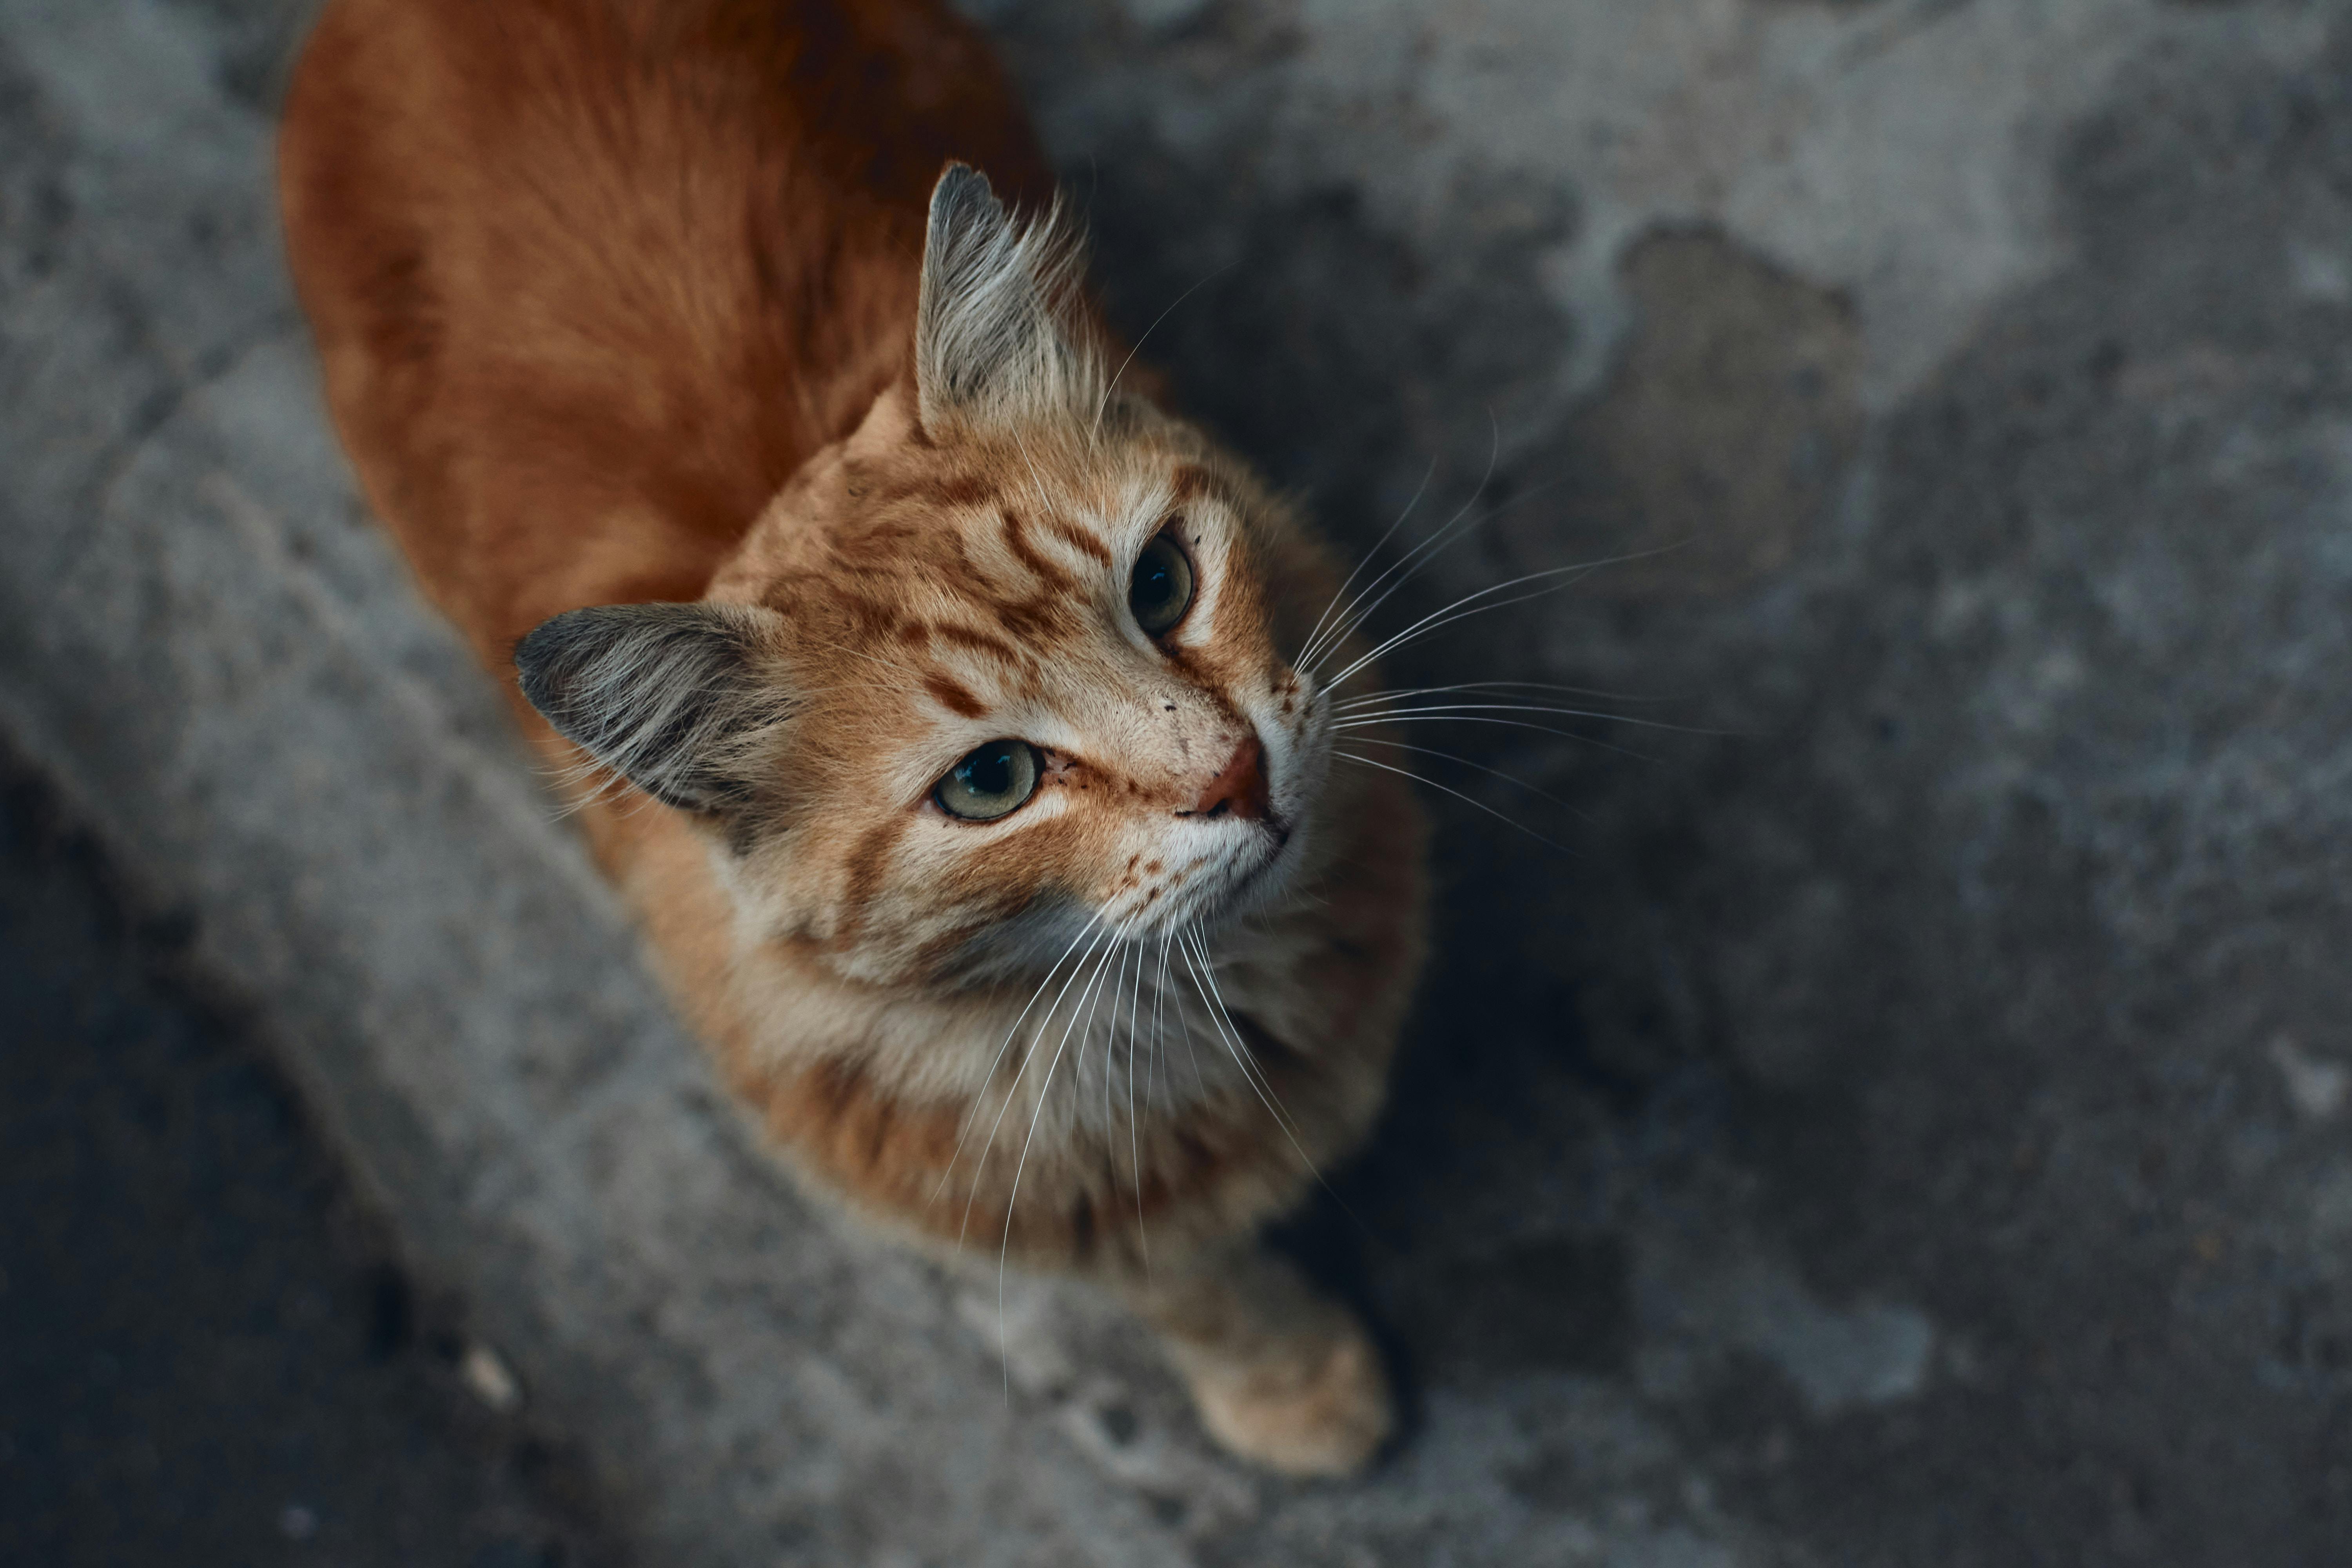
1240	790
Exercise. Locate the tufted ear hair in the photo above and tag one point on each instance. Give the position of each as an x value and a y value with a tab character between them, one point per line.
674	698
998	337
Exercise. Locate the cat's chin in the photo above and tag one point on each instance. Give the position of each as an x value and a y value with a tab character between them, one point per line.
1262	882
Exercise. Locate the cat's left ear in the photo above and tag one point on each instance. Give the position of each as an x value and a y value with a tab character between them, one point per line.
998	337
674	698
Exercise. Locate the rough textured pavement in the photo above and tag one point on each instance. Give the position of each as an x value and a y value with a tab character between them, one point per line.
207	1355
1908	1123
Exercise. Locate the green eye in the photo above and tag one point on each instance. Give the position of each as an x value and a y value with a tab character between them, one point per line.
991	780
1162	588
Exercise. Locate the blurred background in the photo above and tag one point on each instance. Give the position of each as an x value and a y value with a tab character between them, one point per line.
1905	1120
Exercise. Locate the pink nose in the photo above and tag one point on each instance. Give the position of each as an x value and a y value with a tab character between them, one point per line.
1240	790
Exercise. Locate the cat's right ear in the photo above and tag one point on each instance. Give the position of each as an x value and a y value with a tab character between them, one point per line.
997	338
673	697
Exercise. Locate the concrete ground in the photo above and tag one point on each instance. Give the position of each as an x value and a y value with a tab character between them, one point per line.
209	1356
1905	1123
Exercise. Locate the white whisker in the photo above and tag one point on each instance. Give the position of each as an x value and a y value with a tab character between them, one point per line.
1496	773
1242	1055
1469	605
1427	551
972	1118
1227	1034
1444	709
1490	687
1117	989
1045	1090
1012	1089
1134	1130
1307	652
1112	384
1473	800
1158	1001
1592	741
1268	1096
1192	1046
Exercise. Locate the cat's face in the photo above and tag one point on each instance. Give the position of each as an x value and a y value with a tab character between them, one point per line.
1036	692
1007	670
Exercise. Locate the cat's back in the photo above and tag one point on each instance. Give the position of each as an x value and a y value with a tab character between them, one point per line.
591	278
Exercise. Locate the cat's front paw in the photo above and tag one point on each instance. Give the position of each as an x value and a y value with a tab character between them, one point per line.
1324	1412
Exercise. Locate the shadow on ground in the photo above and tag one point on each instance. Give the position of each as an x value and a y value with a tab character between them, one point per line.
1927	1100
208	1354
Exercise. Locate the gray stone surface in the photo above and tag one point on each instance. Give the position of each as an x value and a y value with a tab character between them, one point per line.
1909	1122
208	1358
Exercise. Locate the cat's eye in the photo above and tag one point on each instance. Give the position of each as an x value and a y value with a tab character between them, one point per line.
991	780
1162	589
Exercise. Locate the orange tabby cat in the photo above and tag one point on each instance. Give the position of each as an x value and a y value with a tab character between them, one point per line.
940	703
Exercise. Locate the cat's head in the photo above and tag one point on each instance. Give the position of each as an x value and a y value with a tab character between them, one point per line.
1009	668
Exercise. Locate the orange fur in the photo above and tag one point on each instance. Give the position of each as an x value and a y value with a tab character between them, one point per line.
625	301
